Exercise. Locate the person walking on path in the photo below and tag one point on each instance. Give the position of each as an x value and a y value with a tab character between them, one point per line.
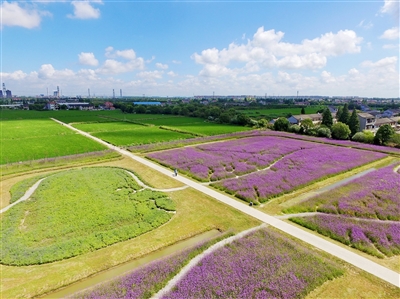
176	172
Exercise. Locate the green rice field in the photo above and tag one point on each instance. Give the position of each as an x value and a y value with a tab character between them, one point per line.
23	140
275	113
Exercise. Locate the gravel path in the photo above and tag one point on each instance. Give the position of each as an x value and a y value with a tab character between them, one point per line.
193	262
314	240
26	196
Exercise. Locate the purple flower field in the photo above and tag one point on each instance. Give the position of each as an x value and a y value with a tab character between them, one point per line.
375	195
263	264
377	238
297	163
141	283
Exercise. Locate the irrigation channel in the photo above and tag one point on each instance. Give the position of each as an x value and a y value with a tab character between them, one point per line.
346	255
123	269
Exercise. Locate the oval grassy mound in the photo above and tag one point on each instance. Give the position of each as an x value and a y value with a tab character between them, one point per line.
77	211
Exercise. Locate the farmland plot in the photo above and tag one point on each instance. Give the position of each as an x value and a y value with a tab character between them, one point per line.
78	211
263	264
37	139
268	166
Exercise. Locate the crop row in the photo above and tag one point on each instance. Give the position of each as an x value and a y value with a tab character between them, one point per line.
377	238
78	211
375	195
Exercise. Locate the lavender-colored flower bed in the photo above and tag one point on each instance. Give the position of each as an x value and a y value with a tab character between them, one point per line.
375	195
230	158
264	264
141	283
295	170
347	143
377	238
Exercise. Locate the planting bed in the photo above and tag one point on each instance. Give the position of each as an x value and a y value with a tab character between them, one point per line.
375	195
263	264
77	211
376	238
274	165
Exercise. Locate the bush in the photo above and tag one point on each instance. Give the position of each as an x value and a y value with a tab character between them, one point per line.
340	131
294	129
281	124
359	137
324	132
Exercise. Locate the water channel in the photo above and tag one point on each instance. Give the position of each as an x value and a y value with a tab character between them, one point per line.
127	267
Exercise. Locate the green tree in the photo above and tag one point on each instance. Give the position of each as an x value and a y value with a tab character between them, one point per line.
340	131
303	111
339	113
281	124
354	123
345	116
327	119
383	134
306	124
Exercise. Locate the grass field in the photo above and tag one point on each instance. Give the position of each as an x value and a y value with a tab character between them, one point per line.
36	139
275	113
78	211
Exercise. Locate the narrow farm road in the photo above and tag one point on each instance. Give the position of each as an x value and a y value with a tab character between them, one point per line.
27	194
333	249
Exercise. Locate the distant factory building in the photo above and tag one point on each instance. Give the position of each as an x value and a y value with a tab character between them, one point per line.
8	94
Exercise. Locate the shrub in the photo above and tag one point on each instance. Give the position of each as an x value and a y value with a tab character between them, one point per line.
294	129
281	124
324	132
340	131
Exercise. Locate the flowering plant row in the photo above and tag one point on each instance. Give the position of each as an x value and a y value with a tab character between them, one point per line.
263	264
375	195
379	238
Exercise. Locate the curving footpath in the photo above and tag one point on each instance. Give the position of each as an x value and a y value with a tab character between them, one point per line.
363	263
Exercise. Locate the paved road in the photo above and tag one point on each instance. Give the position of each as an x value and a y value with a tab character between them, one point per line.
27	194
338	251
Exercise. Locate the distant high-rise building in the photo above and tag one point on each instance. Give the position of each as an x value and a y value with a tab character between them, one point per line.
113	94
120	93
1	93
8	94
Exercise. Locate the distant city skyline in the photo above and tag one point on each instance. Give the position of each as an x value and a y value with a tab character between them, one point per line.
186	48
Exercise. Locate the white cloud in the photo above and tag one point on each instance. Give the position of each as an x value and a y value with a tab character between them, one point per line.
176	61
392	33
327	77
15	15
267	50
46	71
84	10
390	6
114	66
162	66
387	62
150	75
365	26
390	46
172	74
88	59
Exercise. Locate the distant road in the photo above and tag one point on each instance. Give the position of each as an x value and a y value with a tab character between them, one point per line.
314	240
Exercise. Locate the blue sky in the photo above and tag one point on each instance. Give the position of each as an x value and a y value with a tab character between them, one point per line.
186	48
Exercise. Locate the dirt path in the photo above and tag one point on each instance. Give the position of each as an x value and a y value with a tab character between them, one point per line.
314	240
26	196
193	262
140	183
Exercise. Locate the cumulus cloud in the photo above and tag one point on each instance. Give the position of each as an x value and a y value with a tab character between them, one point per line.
150	75
388	63
85	10
392	33
88	59
268	50
15	15
114	66
390	6
162	66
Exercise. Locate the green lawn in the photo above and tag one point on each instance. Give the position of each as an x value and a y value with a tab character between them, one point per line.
78	211
209	129
40	138
108	127
274	113
144	135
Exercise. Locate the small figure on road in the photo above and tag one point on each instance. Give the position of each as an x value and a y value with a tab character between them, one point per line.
251	204
176	172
